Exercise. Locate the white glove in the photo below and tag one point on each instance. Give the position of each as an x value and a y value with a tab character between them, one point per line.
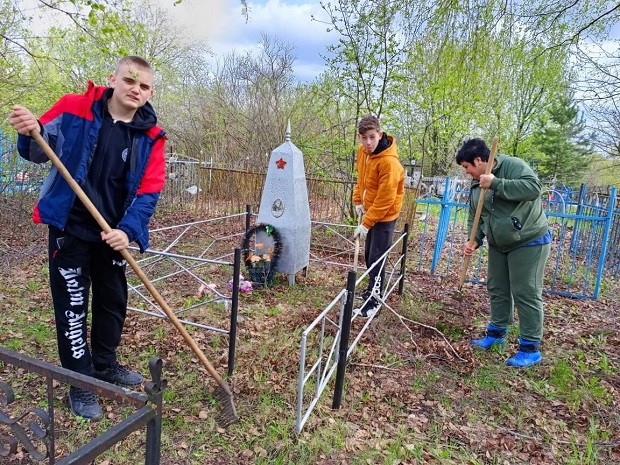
361	231
359	209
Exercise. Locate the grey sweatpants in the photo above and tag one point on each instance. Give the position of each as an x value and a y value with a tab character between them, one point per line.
516	280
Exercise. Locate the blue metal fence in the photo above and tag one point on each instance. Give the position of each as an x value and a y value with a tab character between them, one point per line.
17	176
586	236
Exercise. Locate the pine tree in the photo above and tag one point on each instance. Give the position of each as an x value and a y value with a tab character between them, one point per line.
560	138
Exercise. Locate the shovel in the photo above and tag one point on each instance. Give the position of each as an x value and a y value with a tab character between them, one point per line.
458	294
223	394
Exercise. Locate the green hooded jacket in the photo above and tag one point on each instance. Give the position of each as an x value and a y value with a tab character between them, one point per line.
512	214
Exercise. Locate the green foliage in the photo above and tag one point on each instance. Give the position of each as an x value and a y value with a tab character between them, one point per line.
367	58
444	76
560	138
603	171
12	30
435	73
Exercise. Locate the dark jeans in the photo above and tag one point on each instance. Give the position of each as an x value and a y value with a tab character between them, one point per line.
75	266
378	240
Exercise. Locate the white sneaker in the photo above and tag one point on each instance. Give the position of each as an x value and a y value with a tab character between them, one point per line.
369	309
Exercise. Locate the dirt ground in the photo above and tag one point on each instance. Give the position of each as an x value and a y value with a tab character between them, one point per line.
394	402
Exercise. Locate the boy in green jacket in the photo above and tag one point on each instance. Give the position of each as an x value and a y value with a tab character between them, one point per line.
515	225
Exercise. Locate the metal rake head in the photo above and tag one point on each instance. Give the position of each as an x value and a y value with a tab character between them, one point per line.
227	413
458	295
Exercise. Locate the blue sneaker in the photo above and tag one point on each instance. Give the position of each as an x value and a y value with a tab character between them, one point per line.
487	342
494	336
528	355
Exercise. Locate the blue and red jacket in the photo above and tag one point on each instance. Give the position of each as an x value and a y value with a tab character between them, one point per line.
71	127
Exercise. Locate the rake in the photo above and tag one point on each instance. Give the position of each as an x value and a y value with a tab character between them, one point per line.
223	395
458	294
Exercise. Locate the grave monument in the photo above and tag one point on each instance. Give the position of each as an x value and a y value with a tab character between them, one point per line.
284	205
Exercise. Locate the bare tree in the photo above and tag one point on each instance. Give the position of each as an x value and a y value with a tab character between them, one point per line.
244	104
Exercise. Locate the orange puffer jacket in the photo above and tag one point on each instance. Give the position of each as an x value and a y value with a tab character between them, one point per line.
380	184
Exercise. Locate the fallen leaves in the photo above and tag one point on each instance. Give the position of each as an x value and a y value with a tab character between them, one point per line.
407	398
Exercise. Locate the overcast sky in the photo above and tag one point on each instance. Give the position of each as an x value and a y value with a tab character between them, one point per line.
221	23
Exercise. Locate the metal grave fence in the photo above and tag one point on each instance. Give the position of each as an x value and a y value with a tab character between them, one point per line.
36	431
203	292
324	346
585	247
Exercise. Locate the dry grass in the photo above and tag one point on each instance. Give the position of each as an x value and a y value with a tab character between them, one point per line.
408	399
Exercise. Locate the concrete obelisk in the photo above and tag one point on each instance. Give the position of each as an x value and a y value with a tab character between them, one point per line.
284	205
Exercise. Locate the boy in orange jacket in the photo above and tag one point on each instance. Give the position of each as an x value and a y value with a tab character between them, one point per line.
378	196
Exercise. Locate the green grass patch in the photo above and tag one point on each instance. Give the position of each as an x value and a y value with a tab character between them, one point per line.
407	399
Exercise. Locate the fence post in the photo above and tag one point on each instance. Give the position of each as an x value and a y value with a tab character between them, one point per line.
444	222
345	332
248	216
574	243
401	284
611	266
233	312
602	258
155	390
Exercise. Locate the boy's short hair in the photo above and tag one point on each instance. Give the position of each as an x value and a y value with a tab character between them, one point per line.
133	60
471	149
368	123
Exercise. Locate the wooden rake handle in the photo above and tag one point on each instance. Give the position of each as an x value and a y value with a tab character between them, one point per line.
474	227
127	256
357	245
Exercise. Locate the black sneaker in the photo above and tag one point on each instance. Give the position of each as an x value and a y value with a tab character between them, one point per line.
370	308
364	295
120	375
84	404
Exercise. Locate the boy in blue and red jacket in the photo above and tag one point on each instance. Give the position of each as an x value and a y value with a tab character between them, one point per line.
108	139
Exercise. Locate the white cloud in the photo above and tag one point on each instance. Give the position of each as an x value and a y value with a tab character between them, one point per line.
200	19
222	24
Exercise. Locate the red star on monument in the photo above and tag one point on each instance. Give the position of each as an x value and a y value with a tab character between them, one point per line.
280	163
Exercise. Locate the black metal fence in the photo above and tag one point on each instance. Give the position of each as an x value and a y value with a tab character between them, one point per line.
35	430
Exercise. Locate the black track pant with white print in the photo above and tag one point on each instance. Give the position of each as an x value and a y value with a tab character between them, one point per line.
378	240
75	266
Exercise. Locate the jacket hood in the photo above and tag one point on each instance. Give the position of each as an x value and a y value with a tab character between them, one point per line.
386	147
144	119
